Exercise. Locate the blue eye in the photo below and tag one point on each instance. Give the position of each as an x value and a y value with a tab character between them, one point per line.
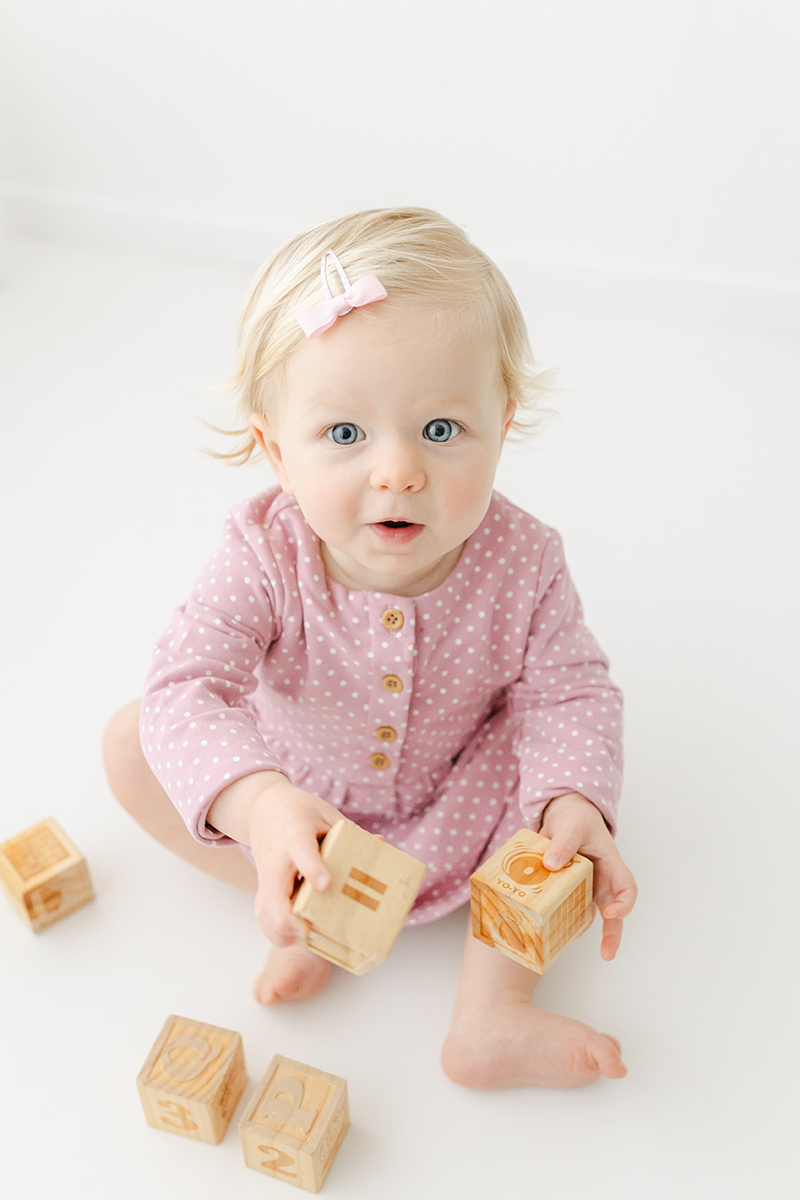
345	434
440	431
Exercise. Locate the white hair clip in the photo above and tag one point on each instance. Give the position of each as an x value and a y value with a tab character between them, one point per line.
366	290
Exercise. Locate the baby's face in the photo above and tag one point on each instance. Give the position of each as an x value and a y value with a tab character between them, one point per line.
388	436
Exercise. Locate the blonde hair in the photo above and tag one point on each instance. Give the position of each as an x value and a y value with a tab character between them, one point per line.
418	255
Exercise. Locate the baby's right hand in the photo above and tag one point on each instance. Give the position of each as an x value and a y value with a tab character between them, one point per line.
282	824
286	824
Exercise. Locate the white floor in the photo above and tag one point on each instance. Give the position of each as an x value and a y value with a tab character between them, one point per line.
671	470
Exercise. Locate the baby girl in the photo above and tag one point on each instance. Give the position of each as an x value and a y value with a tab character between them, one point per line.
382	636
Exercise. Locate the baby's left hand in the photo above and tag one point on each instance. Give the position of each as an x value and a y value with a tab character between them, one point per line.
575	826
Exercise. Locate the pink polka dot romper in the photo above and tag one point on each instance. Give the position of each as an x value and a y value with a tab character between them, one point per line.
445	722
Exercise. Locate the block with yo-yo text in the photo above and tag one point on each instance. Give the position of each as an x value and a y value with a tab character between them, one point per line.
192	1079
294	1123
529	913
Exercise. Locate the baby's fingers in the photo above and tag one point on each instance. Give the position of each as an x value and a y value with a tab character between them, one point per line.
615	897
612	936
273	906
308	861
614	889
562	849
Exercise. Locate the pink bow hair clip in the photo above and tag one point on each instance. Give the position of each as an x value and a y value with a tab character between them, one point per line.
366	290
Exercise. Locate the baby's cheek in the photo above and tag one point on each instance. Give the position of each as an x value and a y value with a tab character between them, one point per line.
467	501
328	515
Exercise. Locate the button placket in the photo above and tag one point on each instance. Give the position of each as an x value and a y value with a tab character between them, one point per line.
393	659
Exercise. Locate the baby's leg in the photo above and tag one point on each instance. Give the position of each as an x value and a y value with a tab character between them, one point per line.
498	1039
291	973
140	794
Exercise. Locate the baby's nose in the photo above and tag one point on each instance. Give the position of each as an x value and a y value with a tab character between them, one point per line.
398	469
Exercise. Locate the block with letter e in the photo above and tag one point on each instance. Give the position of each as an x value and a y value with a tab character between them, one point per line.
44	874
355	922
193	1079
527	912
294	1123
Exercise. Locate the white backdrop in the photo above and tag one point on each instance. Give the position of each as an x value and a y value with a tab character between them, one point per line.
593	142
656	136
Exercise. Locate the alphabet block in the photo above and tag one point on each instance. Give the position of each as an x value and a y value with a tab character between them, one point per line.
44	874
294	1123
355	922
193	1079
525	911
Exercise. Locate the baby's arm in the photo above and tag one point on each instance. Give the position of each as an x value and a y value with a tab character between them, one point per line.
200	736
568	710
281	824
576	826
570	725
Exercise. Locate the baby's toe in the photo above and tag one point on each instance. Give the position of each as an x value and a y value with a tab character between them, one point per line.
608	1054
264	990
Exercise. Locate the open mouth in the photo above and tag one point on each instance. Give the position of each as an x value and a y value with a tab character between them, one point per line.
397	532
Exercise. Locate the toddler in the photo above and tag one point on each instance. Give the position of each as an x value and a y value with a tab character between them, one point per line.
384	637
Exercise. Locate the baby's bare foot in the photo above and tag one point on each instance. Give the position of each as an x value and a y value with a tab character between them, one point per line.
291	973
517	1045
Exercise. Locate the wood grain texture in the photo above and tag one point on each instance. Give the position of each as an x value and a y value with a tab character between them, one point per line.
192	1079
529	913
44	874
294	1123
355	922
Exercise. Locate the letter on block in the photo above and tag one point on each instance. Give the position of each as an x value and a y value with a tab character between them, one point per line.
193	1079
294	1123
355	922
44	874
526	911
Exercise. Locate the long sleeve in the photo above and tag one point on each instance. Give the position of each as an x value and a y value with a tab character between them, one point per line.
569	713
195	734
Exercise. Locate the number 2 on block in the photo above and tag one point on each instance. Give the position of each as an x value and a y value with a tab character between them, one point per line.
278	1163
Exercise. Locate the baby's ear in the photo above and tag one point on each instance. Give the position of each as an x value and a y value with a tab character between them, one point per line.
267	440
511	408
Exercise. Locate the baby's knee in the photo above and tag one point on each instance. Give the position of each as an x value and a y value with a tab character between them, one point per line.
122	750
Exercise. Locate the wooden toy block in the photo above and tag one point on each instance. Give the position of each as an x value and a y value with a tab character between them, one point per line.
526	911
355	922
44	874
294	1123
193	1079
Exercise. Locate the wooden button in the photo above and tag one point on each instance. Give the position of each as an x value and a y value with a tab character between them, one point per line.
379	761
393	619
392	683
386	733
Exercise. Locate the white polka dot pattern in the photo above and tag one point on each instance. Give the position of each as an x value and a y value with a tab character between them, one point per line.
506	700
